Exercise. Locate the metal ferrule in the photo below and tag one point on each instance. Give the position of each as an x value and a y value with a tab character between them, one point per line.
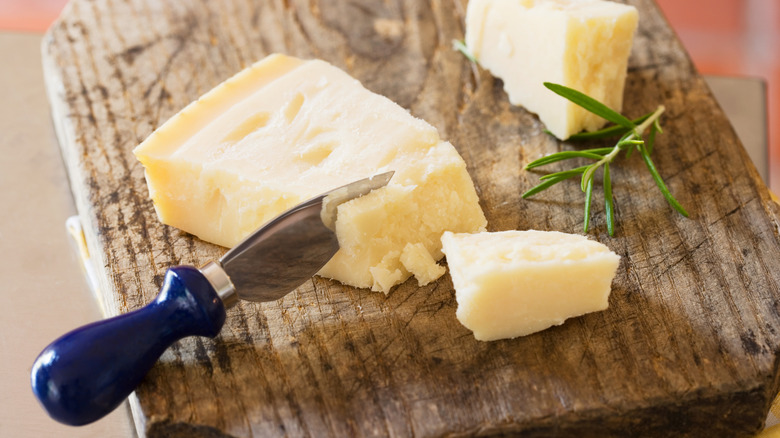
221	283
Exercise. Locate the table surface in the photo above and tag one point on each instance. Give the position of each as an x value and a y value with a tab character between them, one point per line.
47	291
47	303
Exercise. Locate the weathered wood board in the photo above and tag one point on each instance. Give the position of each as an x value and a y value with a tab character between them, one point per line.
688	346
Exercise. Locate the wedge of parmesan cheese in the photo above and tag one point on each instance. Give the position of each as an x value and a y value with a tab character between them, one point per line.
582	44
514	283
285	130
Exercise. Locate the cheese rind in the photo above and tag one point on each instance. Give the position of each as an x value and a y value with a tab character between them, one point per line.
285	130
514	283
582	44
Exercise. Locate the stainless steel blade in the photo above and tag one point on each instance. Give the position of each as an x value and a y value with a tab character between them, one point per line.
287	251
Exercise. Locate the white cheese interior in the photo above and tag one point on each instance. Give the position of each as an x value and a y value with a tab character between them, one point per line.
513	283
582	44
285	130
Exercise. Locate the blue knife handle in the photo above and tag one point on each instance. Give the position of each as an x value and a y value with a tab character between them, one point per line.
88	372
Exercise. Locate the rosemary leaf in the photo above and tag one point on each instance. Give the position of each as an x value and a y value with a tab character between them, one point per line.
657	125
587	176
591	105
461	47
629	146
660	182
611	131
600	151
588	197
559	156
571	172
546	184
626	136
609	207
651	139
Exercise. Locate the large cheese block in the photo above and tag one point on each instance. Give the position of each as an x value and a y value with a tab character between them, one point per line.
582	44
285	130
514	283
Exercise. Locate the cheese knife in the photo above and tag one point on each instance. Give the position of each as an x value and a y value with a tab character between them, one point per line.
87	373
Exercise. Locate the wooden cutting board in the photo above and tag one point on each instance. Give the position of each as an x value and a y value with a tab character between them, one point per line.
688	346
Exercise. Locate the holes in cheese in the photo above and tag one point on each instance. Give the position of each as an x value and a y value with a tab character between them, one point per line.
582	44
248	126
293	107
514	283
284	130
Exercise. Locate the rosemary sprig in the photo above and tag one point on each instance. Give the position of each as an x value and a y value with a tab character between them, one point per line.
632	138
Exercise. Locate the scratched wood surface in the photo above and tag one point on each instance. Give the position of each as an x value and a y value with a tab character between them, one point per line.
688	346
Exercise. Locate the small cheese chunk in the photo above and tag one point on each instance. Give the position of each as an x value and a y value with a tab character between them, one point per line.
513	283
417	260
285	130
582	44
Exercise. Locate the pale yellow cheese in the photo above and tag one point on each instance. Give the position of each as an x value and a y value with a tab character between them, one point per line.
514	283
582	44
418	260
285	130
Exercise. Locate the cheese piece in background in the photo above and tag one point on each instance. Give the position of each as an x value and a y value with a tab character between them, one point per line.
582	44
514	283
285	130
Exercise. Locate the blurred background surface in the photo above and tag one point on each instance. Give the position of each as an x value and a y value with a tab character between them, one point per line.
735	38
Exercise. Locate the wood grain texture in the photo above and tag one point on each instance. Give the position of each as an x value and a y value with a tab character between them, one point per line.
688	346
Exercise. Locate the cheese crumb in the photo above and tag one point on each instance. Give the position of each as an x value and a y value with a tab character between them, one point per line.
514	283
582	44
418	260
